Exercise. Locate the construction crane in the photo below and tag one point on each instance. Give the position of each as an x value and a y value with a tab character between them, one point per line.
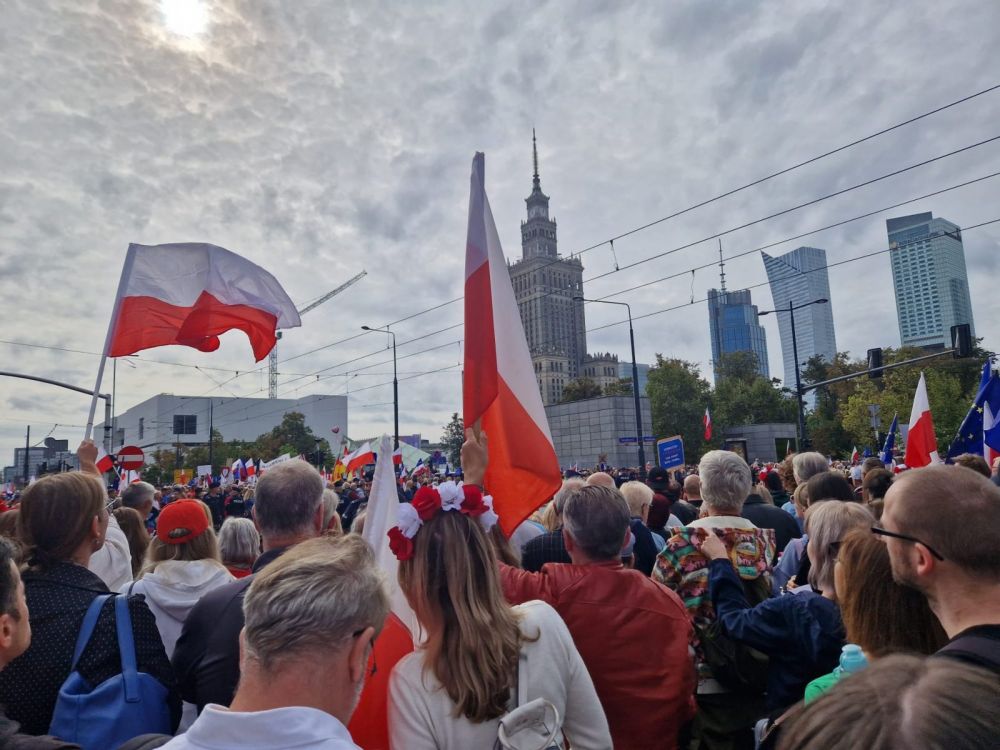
272	360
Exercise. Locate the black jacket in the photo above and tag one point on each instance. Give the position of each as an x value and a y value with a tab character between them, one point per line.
766	516
544	548
207	655
645	548
58	597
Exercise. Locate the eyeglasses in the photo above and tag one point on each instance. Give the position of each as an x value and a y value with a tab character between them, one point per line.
358	633
879	531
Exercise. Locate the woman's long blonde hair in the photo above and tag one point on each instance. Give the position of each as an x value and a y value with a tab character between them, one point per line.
474	637
205	546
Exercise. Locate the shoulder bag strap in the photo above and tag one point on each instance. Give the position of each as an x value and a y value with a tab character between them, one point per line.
126	647
87	628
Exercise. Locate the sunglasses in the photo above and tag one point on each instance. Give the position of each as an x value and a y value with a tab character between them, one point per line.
879	531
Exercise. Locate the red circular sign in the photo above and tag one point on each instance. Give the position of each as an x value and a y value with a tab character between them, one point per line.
131	457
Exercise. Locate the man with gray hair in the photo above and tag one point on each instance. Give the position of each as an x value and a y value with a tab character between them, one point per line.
288	509
139	496
311	621
807	465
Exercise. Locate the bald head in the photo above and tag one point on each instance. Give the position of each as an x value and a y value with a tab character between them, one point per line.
601	479
952	509
692	487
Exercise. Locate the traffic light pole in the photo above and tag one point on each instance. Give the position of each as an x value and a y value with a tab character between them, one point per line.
893	366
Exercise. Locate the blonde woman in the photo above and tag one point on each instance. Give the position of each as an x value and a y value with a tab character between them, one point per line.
451	693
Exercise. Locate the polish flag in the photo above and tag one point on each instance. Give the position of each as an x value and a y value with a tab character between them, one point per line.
855	456
500	392
359	458
190	294
397	456
707	421
921	443
369	726
104	462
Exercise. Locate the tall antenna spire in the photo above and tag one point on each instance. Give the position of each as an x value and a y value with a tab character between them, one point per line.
534	151
722	268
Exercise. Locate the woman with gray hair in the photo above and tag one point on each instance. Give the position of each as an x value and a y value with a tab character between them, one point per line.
239	545
802	635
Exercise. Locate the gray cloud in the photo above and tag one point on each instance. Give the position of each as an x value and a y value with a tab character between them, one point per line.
319	138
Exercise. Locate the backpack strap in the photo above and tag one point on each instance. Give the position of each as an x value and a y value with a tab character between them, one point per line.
522	678
87	627
126	647
985	649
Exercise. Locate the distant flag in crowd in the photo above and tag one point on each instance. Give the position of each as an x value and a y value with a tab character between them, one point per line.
867	452
500	393
251	468
855	456
788	448
890	441
991	420
921	443
359	458
969	438
707	421
104	462
369	726
397	456
420	468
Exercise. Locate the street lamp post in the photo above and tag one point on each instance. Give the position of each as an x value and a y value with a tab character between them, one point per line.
635	382
395	384
795	356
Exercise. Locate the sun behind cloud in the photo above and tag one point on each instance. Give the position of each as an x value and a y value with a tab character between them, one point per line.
186	18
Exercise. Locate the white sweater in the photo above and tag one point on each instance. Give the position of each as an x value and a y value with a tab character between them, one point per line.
421	715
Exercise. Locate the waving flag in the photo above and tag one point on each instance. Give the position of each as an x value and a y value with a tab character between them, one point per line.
890	441
707	421
855	456
359	458
969	438
397	456
191	293
921	443
104	462
500	392
991	419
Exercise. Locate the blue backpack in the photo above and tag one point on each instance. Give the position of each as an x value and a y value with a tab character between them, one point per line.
104	716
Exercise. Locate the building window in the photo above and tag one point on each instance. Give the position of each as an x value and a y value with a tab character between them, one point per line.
185	424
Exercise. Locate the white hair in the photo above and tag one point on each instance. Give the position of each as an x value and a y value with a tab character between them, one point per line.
638	495
807	465
239	542
725	481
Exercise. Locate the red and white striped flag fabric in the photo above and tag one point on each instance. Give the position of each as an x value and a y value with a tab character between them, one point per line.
855	456
397	456
500	391
359	458
707	421
921	443
104	462
190	294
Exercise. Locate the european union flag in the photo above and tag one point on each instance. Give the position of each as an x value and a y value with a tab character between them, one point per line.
890	441
969	438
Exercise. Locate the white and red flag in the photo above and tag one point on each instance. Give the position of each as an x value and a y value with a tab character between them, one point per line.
104	462
500	393
921	443
190	294
397	456
855	456
707	422
359	458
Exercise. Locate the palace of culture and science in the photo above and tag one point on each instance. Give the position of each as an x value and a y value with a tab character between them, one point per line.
544	285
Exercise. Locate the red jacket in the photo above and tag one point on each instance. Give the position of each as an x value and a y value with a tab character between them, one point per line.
633	635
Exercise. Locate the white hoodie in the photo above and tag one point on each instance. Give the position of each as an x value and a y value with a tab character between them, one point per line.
173	588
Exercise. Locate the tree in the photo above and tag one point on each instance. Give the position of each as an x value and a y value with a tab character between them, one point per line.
580	389
757	401
743	366
678	396
198	455
292	436
452	439
622	387
826	431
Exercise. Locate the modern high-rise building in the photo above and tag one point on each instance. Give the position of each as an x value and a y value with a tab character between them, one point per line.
544	285
800	277
929	278
734	327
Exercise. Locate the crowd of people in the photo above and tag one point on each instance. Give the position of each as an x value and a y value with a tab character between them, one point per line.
801	605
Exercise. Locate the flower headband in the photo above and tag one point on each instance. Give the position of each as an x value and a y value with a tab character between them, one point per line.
467	499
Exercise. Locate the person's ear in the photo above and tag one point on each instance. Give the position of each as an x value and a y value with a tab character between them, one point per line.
357	658
925	562
7	631
95	527
253	515
318	520
568	541
628	535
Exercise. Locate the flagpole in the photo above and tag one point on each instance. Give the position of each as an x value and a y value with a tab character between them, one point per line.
123	279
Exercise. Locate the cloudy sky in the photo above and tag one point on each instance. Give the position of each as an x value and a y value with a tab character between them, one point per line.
319	138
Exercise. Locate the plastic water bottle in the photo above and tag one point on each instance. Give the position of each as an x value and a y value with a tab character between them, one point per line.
852	659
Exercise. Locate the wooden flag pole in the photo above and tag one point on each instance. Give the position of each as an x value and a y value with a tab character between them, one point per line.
126	272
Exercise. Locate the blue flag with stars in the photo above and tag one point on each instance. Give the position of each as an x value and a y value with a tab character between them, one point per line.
890	441
969	438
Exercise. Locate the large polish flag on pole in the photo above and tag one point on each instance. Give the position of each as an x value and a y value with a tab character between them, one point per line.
190	294
500	393
921	443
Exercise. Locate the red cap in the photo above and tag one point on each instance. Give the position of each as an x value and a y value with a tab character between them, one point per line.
181	521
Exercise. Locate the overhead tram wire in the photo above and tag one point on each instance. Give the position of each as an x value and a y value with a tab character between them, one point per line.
701	204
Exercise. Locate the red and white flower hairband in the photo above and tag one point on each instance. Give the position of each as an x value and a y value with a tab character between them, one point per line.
467	499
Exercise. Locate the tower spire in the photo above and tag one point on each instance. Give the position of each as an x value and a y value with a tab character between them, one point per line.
722	268
534	151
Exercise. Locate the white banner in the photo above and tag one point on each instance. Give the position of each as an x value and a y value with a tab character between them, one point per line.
205	470
275	461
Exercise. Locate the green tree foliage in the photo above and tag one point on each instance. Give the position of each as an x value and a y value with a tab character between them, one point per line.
291	436
678	396
579	389
452	439
827	433
622	387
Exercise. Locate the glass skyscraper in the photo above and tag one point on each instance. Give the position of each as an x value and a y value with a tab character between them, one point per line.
929	278
732	321
800	277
